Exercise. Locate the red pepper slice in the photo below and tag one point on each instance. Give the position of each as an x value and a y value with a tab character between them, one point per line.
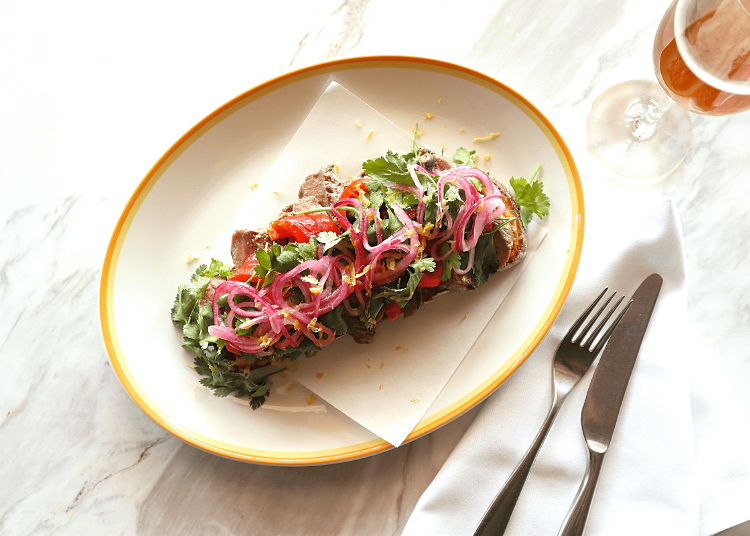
392	310
247	272
431	279
301	227
354	188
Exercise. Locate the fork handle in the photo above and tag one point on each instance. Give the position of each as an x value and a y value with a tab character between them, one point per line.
496	519
575	520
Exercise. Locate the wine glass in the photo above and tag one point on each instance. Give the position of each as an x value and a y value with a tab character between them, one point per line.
702	61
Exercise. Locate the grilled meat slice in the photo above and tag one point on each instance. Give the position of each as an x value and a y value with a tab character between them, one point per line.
305	203
510	240
324	185
246	242
431	161
358	331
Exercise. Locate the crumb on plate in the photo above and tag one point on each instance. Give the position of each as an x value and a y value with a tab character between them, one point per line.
485	138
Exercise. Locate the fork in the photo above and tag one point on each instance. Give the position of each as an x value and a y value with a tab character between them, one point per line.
573	358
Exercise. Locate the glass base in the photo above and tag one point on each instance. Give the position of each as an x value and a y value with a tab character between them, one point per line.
628	148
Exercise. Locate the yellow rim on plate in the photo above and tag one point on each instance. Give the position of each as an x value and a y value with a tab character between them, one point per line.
106	310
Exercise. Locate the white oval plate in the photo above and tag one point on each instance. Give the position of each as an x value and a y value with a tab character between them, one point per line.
190	196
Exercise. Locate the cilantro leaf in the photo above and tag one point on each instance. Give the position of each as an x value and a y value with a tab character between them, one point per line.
531	198
402	289
391	167
189	295
464	157
486	262
425	264
329	239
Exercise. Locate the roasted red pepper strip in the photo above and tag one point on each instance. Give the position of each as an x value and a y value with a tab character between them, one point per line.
354	188
301	227
392	310
431	279
247	272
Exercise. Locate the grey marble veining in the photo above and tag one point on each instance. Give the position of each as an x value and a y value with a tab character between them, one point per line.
93	94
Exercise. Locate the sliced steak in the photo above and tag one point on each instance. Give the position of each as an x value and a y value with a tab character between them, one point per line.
246	242
358	331
510	241
459	283
306	203
208	295
431	161
324	185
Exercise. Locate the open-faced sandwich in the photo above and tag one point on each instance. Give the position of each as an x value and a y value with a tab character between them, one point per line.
347	255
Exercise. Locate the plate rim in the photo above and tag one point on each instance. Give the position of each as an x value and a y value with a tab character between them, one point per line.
427	424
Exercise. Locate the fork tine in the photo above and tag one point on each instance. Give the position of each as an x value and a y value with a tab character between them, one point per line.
607	333
592	336
571	332
585	330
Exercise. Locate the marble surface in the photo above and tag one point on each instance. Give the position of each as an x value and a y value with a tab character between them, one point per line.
93	93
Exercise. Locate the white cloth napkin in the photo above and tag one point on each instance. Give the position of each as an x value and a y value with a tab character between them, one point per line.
649	481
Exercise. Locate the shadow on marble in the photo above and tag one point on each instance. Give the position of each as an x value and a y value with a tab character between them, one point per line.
200	493
742	529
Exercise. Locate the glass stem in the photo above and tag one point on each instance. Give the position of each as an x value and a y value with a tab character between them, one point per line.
643	127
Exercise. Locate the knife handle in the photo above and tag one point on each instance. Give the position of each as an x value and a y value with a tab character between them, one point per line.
575	520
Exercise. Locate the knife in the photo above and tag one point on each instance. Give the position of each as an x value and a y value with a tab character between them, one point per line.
605	394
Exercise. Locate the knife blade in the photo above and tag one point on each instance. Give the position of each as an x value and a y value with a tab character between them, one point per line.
611	377
605	395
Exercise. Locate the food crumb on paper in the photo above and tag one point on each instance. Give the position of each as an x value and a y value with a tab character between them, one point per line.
368	366
381	387
401	348
444	146
462	129
208	247
191	366
466	315
419	133
485	138
370	135
358	123
382	365
319	375
441	98
192	258
291	386
311	399
446	125
415	399
292	367
254	186
428	115
487	157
